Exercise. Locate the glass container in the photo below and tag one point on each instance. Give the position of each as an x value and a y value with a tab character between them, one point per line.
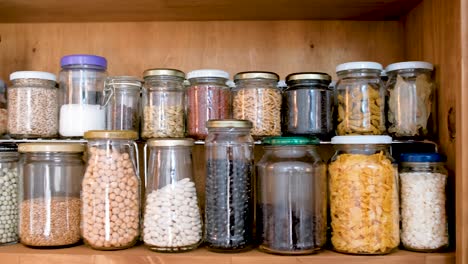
8	194
3	109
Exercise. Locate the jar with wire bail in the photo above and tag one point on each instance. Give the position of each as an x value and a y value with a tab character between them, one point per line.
8	194
308	105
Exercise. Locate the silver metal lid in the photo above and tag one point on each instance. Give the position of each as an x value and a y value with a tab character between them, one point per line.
320	76
256	75
170	142
226	123
163	71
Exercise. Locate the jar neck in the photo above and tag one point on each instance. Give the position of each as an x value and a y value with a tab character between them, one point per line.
362	148
359	73
9	156
409	72
257	83
209	80
309	84
229	130
84	67
424	166
166	82
49	156
33	83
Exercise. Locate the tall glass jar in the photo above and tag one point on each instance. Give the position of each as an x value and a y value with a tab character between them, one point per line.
363	188
172	219
410	100
257	98
360	99
163	104
8	194
122	97
82	83
228	189
3	109
423	182
291	197
111	191
308	105
32	105
208	97
50	183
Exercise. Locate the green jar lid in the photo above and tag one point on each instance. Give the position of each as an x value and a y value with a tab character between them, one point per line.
290	141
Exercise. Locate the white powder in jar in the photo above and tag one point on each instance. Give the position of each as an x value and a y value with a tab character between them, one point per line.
75	119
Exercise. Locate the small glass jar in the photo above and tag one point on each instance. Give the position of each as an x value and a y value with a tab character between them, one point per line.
423	182
411	106
360	99
363	188
308	104
163	104
8	194
208	97
172	219
228	187
32	105
3	109
257	98
291	197
111	191
122	97
82	83
50	183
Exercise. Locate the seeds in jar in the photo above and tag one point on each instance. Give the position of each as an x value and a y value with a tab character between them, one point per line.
8	205
48	222
161	122
3	121
423	217
122	117
172	220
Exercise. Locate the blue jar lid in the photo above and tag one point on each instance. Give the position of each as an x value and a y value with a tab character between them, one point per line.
83	59
422	157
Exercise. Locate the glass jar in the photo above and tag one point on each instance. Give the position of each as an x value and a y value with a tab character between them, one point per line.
257	98
122	97
3	109
50	183
8	194
308	105
363	188
163	104
228	187
208	97
82	83
360	99
172	219
32	105
111	191
411	106
423	182
291	197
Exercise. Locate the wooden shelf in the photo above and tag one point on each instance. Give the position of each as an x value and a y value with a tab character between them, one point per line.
151	10
18	254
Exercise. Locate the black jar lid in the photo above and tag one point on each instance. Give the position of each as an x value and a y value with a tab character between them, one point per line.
308	76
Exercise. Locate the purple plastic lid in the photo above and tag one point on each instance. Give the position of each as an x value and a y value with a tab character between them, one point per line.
83	59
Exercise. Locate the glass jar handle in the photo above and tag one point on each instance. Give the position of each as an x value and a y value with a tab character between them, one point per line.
145	163
108	92
137	155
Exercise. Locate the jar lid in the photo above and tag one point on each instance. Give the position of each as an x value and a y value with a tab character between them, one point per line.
422	157
409	65
163	72
83	59
256	75
128	81
8	147
51	147
231	84
170	142
320	76
33	75
356	65
282	84
278	141
111	134
221	123
208	73
337	140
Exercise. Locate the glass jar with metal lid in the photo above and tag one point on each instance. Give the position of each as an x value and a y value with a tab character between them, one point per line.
363	188
172	219
111	190
423	183
308	105
32	105
8	194
50	184
360	99
257	98
291	196
163	104
228	187
411	100
122	97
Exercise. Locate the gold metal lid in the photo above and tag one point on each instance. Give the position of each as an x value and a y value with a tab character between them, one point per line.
111	134
163	71
320	76
51	147
256	75
220	123
170	142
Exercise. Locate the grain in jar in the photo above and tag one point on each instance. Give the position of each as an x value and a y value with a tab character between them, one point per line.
8	194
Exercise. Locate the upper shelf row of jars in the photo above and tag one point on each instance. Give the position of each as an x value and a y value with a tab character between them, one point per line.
86	99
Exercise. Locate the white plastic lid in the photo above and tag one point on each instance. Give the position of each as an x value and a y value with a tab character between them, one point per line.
355	65
208	73
409	65
361	140
231	84
33	75
281	84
